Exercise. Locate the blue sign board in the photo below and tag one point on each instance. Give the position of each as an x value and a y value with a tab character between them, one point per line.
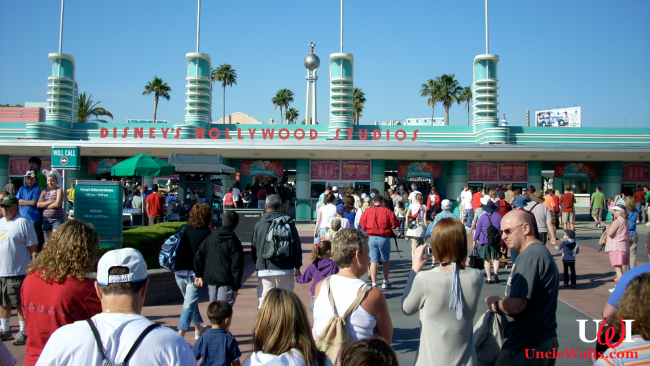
100	203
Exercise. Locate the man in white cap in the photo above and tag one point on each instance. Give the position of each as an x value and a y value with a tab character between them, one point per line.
28	196
119	334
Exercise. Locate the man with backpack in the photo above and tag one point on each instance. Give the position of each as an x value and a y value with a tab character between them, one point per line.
119	334
276	249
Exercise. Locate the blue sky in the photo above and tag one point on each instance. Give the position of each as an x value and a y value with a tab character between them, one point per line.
592	54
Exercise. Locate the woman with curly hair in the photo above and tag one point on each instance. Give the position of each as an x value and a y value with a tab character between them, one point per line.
633	305
196	230
57	290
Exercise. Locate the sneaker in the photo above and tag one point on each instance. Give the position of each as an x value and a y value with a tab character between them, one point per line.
489	282
597	224
612	289
5	335
19	339
204	328
374	284
386	285
647	224
496	279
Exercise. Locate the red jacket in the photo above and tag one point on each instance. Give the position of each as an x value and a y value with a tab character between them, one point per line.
378	221
436	203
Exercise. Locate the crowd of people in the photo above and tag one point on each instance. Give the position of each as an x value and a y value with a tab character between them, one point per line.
65	317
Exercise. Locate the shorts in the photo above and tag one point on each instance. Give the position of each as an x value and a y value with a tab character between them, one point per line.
153	220
51	224
619	258
598	212
10	290
568	217
379	249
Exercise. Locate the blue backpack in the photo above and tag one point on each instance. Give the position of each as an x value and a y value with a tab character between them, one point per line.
171	249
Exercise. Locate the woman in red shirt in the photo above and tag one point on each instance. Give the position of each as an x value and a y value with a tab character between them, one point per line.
56	290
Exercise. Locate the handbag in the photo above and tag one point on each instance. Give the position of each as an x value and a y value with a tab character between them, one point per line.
603	239
475	260
416	232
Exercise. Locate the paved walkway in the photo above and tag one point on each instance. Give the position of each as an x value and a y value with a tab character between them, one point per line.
588	300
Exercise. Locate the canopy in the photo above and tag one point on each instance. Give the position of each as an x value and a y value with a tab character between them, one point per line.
143	165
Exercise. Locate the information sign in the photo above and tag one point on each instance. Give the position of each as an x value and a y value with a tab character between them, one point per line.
636	172
482	171
513	171
325	169
66	158
100	203
355	170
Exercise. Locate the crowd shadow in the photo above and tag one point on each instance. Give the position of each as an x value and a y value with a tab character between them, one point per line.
406	339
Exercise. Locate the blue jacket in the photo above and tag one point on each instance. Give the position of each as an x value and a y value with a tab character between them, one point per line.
26	193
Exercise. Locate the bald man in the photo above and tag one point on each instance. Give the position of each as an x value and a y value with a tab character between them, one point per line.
531	295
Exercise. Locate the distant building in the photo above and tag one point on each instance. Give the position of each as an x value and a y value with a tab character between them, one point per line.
22	114
239	118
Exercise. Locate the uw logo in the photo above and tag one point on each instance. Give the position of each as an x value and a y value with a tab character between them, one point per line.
608	337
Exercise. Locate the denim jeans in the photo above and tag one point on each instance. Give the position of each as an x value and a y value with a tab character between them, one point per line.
470	217
191	296
401	220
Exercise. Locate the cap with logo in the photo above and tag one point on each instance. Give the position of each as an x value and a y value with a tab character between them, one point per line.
340	207
127	258
9	200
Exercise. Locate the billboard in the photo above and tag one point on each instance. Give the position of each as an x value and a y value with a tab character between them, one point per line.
262	167
576	170
563	117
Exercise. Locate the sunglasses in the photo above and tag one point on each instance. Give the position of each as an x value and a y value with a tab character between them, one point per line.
511	230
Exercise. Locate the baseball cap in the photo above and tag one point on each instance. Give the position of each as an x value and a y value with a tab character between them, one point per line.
618	208
340	207
126	257
485	199
570	233
521	201
335	188
501	194
9	200
446	203
30	173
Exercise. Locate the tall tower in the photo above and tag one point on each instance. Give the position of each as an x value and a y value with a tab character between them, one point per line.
484	95
311	63
341	89
63	94
198	101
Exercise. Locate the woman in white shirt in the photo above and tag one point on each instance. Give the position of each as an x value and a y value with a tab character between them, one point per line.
416	207
350	252
281	335
325	214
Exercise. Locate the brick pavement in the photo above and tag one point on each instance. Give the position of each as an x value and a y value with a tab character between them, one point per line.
594	279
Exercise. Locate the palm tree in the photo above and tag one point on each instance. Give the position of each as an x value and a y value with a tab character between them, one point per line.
292	115
87	108
430	89
226	75
465	96
448	92
159	89
358	100
282	99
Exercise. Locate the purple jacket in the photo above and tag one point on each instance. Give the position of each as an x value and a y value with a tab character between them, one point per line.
480	235
318	271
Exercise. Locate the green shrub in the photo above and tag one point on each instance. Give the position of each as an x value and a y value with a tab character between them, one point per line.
148	240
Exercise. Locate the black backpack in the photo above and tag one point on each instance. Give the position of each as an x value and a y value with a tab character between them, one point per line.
100	346
532	217
493	234
278	240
